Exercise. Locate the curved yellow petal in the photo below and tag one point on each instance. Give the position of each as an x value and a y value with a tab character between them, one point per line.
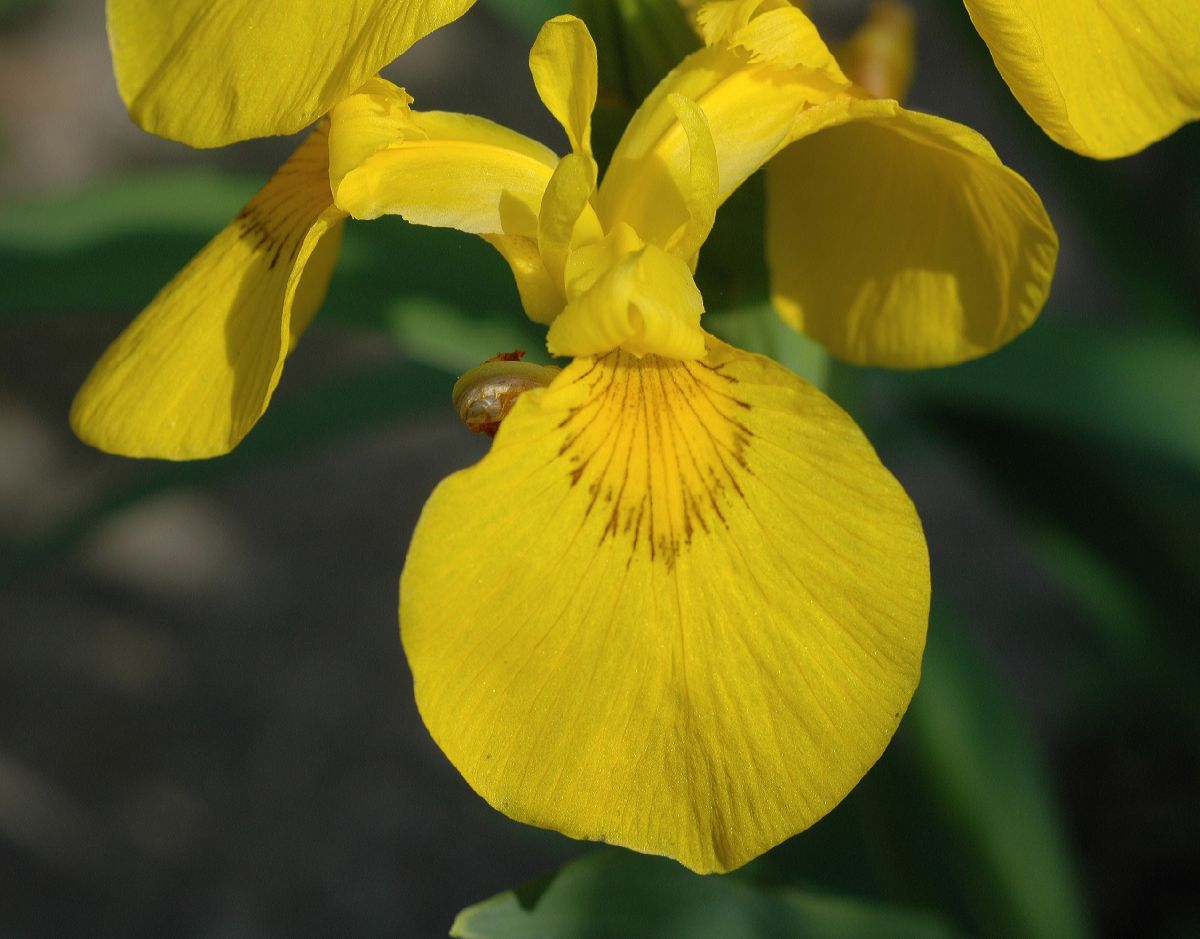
751	105
565	200
465	172
1102	77
899	239
541	295
680	606
196	369
704	185
209	72
376	116
645	303
563	64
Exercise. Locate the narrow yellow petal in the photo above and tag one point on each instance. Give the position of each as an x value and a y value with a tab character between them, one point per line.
541	295
680	606
1102	77
209	72
900	239
645	303
703	188
563	204
563	63
194	372
765	65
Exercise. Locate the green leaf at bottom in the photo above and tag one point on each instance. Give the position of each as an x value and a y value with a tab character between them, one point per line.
618	895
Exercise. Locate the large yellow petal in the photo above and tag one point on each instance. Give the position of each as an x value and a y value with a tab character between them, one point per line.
900	239
678	607
193	373
209	72
1103	77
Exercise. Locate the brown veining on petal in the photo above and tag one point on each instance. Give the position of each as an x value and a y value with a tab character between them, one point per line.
659	447
276	221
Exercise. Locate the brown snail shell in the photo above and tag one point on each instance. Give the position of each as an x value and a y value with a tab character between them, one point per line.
484	395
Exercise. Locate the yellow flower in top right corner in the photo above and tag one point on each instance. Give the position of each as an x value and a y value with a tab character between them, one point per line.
1105	78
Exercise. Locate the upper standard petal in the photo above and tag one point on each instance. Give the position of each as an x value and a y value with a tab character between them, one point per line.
750	102
196	369
1102	77
563	64
723	625
209	72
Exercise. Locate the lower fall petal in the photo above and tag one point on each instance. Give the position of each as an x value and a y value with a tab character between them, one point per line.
680	606
195	370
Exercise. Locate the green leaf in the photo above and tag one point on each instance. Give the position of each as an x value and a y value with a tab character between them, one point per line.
1132	390
638	42
445	337
445	297
990	784
527	15
617	895
1126	627
112	246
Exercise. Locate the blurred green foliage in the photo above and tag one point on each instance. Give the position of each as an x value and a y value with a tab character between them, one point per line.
611	895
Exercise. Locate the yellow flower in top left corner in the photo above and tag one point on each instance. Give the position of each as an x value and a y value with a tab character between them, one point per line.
194	372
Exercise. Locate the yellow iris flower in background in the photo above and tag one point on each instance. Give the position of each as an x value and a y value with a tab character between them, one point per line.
1105	78
195	371
680	605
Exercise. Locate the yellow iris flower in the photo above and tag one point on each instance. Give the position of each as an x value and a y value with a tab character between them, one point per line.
195	371
1102	77
680	605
